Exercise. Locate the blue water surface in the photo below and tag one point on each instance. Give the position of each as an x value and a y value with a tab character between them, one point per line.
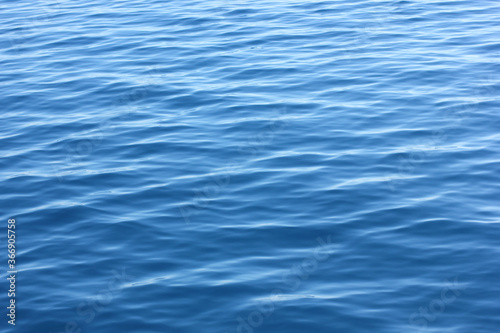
251	166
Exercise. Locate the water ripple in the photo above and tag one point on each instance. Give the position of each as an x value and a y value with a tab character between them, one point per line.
228	166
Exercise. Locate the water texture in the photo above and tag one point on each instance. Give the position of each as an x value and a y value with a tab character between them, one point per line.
251	166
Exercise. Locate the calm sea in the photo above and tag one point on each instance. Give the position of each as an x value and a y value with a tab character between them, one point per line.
251	166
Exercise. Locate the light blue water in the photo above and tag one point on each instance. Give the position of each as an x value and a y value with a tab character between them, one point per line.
251	166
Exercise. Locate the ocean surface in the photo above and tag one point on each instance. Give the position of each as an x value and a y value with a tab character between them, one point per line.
251	166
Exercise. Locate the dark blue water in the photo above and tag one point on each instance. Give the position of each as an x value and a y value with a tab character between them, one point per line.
251	166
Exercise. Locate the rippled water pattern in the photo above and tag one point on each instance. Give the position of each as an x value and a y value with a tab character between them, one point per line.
252	166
